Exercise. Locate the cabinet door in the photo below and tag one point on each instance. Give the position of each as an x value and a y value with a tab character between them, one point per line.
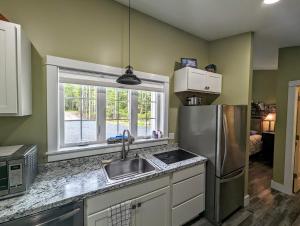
8	69
153	208
197	81
98	219
214	83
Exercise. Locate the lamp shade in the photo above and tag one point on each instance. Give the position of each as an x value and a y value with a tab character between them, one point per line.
270	117
129	78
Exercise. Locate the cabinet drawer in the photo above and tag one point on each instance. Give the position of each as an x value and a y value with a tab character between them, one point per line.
188	210
105	200
188	172
187	189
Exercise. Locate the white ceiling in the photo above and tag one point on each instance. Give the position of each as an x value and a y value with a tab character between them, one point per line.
275	25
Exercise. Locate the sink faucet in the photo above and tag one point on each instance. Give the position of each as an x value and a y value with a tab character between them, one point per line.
124	152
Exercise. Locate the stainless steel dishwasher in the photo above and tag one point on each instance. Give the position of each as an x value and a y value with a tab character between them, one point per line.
67	215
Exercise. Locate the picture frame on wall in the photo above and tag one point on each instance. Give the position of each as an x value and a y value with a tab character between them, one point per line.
189	62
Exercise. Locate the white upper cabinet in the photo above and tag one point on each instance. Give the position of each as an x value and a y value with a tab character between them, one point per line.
197	80
15	71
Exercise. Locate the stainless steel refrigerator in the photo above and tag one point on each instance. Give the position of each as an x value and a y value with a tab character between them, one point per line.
218	132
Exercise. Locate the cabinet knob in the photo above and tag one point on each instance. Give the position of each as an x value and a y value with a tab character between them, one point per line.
207	87
133	207
139	204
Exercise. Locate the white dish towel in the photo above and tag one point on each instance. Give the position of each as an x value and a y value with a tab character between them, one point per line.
120	214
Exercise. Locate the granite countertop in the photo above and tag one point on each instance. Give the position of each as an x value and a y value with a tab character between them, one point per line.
63	182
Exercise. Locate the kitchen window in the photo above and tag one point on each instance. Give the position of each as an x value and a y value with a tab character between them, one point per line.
85	107
92	112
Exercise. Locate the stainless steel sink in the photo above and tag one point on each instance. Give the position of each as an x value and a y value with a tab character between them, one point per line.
121	169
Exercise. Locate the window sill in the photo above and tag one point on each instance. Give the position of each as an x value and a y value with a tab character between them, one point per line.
96	149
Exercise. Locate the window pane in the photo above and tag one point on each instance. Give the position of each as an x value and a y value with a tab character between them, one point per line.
80	113
72	131
89	129
151	125
111	128
123	124
89	110
142	128
89	92
123	110
72	109
72	116
117	112
72	90
116	127
146	113
89	123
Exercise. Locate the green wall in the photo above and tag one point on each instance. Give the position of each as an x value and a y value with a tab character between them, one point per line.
233	57
288	70
264	86
94	31
29	129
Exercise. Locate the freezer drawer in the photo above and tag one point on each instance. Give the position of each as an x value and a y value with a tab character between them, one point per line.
230	195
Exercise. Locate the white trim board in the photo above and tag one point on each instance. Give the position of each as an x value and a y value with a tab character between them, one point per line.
280	187
100	68
246	200
53	64
99	149
287	186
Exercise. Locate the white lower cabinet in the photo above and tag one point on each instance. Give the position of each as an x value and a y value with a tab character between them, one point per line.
98	219
187	210
153	209
152	201
150	209
188	199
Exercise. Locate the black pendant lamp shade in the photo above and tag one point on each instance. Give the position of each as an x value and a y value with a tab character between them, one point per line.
128	78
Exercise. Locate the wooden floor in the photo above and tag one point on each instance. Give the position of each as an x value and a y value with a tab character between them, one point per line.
267	207
260	175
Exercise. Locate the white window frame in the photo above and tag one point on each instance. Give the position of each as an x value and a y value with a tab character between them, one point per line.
53	65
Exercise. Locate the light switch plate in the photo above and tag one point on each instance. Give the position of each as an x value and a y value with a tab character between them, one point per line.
172	136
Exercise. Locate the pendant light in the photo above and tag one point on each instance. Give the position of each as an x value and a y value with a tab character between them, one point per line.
129	78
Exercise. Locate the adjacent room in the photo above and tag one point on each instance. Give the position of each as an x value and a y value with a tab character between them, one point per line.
149	113
262	130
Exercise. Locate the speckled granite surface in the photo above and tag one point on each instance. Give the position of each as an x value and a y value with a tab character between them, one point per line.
63	182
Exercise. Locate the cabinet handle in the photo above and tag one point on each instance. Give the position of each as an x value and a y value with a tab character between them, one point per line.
139	204
133	207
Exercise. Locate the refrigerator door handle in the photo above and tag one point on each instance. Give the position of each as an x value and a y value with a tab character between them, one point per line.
233	178
225	131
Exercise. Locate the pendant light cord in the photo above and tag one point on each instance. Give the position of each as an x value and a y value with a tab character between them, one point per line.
129	30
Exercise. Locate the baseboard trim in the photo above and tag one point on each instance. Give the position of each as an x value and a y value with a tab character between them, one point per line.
280	187
246	200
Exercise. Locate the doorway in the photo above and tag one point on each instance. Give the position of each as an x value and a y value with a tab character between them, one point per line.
296	176
291	182
261	147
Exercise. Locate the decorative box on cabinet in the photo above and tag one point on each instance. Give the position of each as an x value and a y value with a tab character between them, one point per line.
197	80
15	71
